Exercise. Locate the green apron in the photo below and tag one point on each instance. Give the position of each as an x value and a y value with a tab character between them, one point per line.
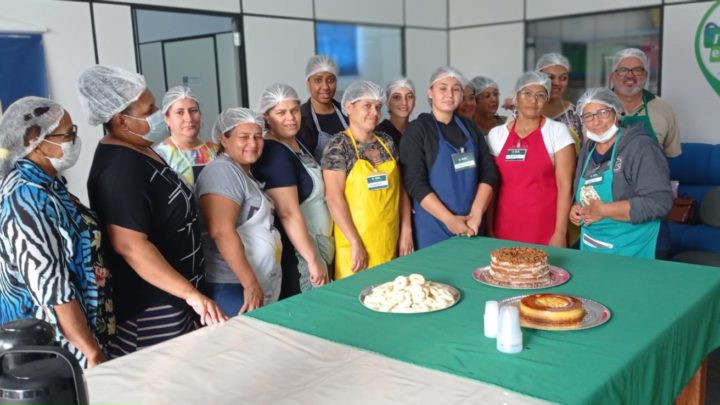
642	119
609	235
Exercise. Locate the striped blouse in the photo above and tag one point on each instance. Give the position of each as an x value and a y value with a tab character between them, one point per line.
50	254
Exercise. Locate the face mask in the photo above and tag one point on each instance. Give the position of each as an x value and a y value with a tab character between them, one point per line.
604	137
158	129
71	153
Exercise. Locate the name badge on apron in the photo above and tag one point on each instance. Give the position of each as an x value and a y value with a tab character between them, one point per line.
463	161
597	179
516	154
377	181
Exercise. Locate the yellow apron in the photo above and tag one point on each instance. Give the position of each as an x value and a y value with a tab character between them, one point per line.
375	211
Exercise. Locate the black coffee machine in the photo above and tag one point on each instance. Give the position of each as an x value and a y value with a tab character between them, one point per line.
34	369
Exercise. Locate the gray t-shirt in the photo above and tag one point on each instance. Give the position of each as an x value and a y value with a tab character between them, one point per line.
225	178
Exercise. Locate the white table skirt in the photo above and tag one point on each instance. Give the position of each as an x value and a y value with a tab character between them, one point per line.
253	362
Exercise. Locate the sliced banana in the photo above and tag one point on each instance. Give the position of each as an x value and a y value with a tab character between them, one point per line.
409	294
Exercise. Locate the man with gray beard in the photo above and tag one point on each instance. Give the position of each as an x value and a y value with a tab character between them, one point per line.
628	78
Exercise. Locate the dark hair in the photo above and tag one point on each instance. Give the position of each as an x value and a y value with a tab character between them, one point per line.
221	148
107	126
31	133
36	112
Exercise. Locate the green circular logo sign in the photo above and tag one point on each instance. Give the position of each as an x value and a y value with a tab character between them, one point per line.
707	46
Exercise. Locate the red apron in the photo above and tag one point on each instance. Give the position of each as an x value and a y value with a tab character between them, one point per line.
527	203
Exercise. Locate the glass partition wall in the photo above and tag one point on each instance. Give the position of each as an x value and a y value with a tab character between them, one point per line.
200	51
364	52
590	41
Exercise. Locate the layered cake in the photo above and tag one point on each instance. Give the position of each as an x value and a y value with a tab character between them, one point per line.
552	309
522	267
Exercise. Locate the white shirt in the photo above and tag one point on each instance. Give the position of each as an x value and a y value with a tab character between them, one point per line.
555	135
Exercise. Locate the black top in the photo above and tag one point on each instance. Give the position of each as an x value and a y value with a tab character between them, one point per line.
278	166
387	127
330	123
133	191
419	147
600	158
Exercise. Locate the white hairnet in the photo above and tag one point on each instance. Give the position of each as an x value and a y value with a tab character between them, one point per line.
482	83
275	94
106	90
175	94
395	85
601	95
447	71
24	113
362	90
533	77
551	59
321	63
232	117
630	53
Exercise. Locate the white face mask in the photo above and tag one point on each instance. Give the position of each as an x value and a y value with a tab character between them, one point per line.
71	154
604	137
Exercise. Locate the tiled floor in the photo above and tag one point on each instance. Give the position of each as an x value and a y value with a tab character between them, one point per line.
713	380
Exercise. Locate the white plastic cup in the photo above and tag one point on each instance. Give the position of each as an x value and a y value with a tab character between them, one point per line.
509	335
491	319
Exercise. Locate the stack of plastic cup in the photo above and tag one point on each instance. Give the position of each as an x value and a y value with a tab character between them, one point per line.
509	335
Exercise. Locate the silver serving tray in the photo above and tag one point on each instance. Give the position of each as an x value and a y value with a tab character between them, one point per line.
453	291
596	314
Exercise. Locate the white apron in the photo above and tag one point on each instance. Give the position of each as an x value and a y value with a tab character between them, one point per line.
317	218
263	247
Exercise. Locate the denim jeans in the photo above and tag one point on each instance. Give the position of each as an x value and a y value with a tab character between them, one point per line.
228	296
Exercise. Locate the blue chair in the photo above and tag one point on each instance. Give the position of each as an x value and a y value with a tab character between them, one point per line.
710	222
698	171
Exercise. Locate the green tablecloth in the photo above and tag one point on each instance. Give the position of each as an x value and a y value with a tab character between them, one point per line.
665	321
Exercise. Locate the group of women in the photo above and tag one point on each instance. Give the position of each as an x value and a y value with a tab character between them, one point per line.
289	196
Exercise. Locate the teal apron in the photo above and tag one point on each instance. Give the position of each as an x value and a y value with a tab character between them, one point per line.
663	243
642	119
608	235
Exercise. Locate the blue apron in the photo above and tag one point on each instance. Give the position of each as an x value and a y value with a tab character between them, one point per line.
455	189
609	235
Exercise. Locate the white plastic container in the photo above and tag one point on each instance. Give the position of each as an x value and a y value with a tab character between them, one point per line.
509	335
491	319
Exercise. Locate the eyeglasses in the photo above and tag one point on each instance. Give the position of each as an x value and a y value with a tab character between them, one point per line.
73	134
602	114
636	71
529	95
